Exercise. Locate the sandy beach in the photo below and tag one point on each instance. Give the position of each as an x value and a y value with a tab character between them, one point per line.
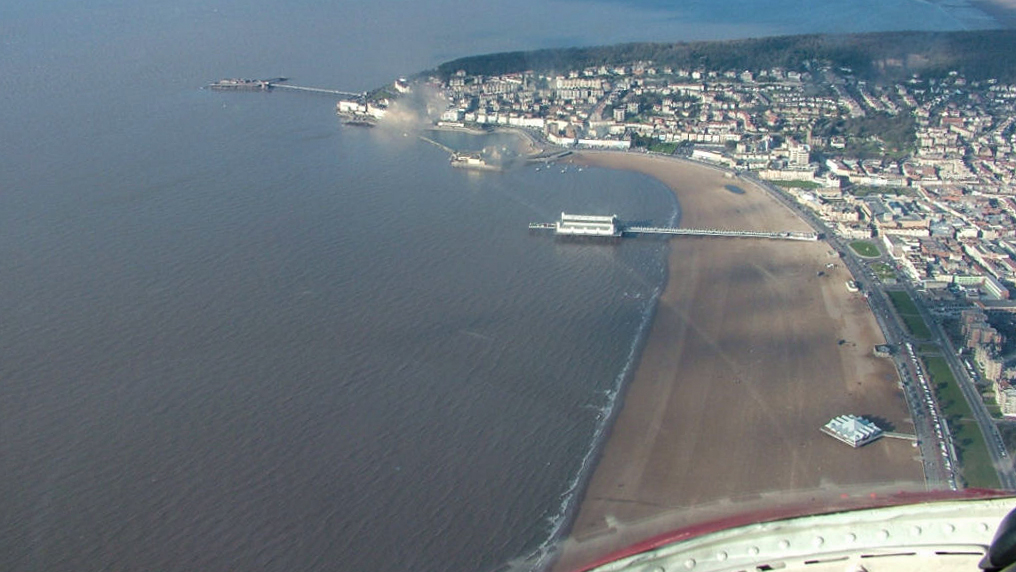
750	353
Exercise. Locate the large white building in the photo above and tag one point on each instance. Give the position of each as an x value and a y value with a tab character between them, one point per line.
799	156
852	430
587	225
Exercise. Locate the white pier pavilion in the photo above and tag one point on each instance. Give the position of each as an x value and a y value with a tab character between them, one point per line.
587	225
852	430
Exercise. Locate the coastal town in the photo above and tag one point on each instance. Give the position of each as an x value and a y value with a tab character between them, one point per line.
909	180
920	171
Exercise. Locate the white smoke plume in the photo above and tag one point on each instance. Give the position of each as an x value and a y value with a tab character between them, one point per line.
415	111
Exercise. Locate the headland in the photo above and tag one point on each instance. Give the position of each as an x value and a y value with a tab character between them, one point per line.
751	351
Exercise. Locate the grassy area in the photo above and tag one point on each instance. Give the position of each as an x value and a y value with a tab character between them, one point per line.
907	310
975	463
865	248
883	270
953	330
663	147
928	349
655	145
903	302
797	184
867	191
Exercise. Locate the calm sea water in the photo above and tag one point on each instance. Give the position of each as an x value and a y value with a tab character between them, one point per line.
239	335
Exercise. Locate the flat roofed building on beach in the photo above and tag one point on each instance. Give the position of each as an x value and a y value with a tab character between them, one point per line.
587	225
852	430
883	350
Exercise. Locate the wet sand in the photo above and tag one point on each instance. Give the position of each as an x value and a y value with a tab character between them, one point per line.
749	354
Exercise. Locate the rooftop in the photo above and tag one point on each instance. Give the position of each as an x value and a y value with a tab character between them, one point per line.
588	225
852	430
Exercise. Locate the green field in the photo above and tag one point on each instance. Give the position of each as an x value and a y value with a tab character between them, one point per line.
663	147
911	317
975	463
883	271
867	191
865	249
798	184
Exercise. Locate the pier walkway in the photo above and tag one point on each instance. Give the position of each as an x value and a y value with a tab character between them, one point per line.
441	146
589	225
274	85
784	235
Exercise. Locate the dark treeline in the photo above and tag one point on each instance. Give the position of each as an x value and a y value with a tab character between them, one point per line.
977	55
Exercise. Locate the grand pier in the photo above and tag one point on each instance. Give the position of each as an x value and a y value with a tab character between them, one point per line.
609	226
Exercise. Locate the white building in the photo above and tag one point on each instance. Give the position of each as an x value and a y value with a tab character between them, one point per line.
707	156
587	225
1006	398
852	430
799	156
620	144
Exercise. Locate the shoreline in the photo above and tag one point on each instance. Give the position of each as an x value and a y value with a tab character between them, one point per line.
655	458
1002	11
546	554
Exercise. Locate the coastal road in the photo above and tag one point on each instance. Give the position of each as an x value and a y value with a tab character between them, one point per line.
938	461
937	454
992	439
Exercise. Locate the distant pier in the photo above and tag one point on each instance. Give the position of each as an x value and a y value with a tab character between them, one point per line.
441	146
609	226
243	84
316	89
